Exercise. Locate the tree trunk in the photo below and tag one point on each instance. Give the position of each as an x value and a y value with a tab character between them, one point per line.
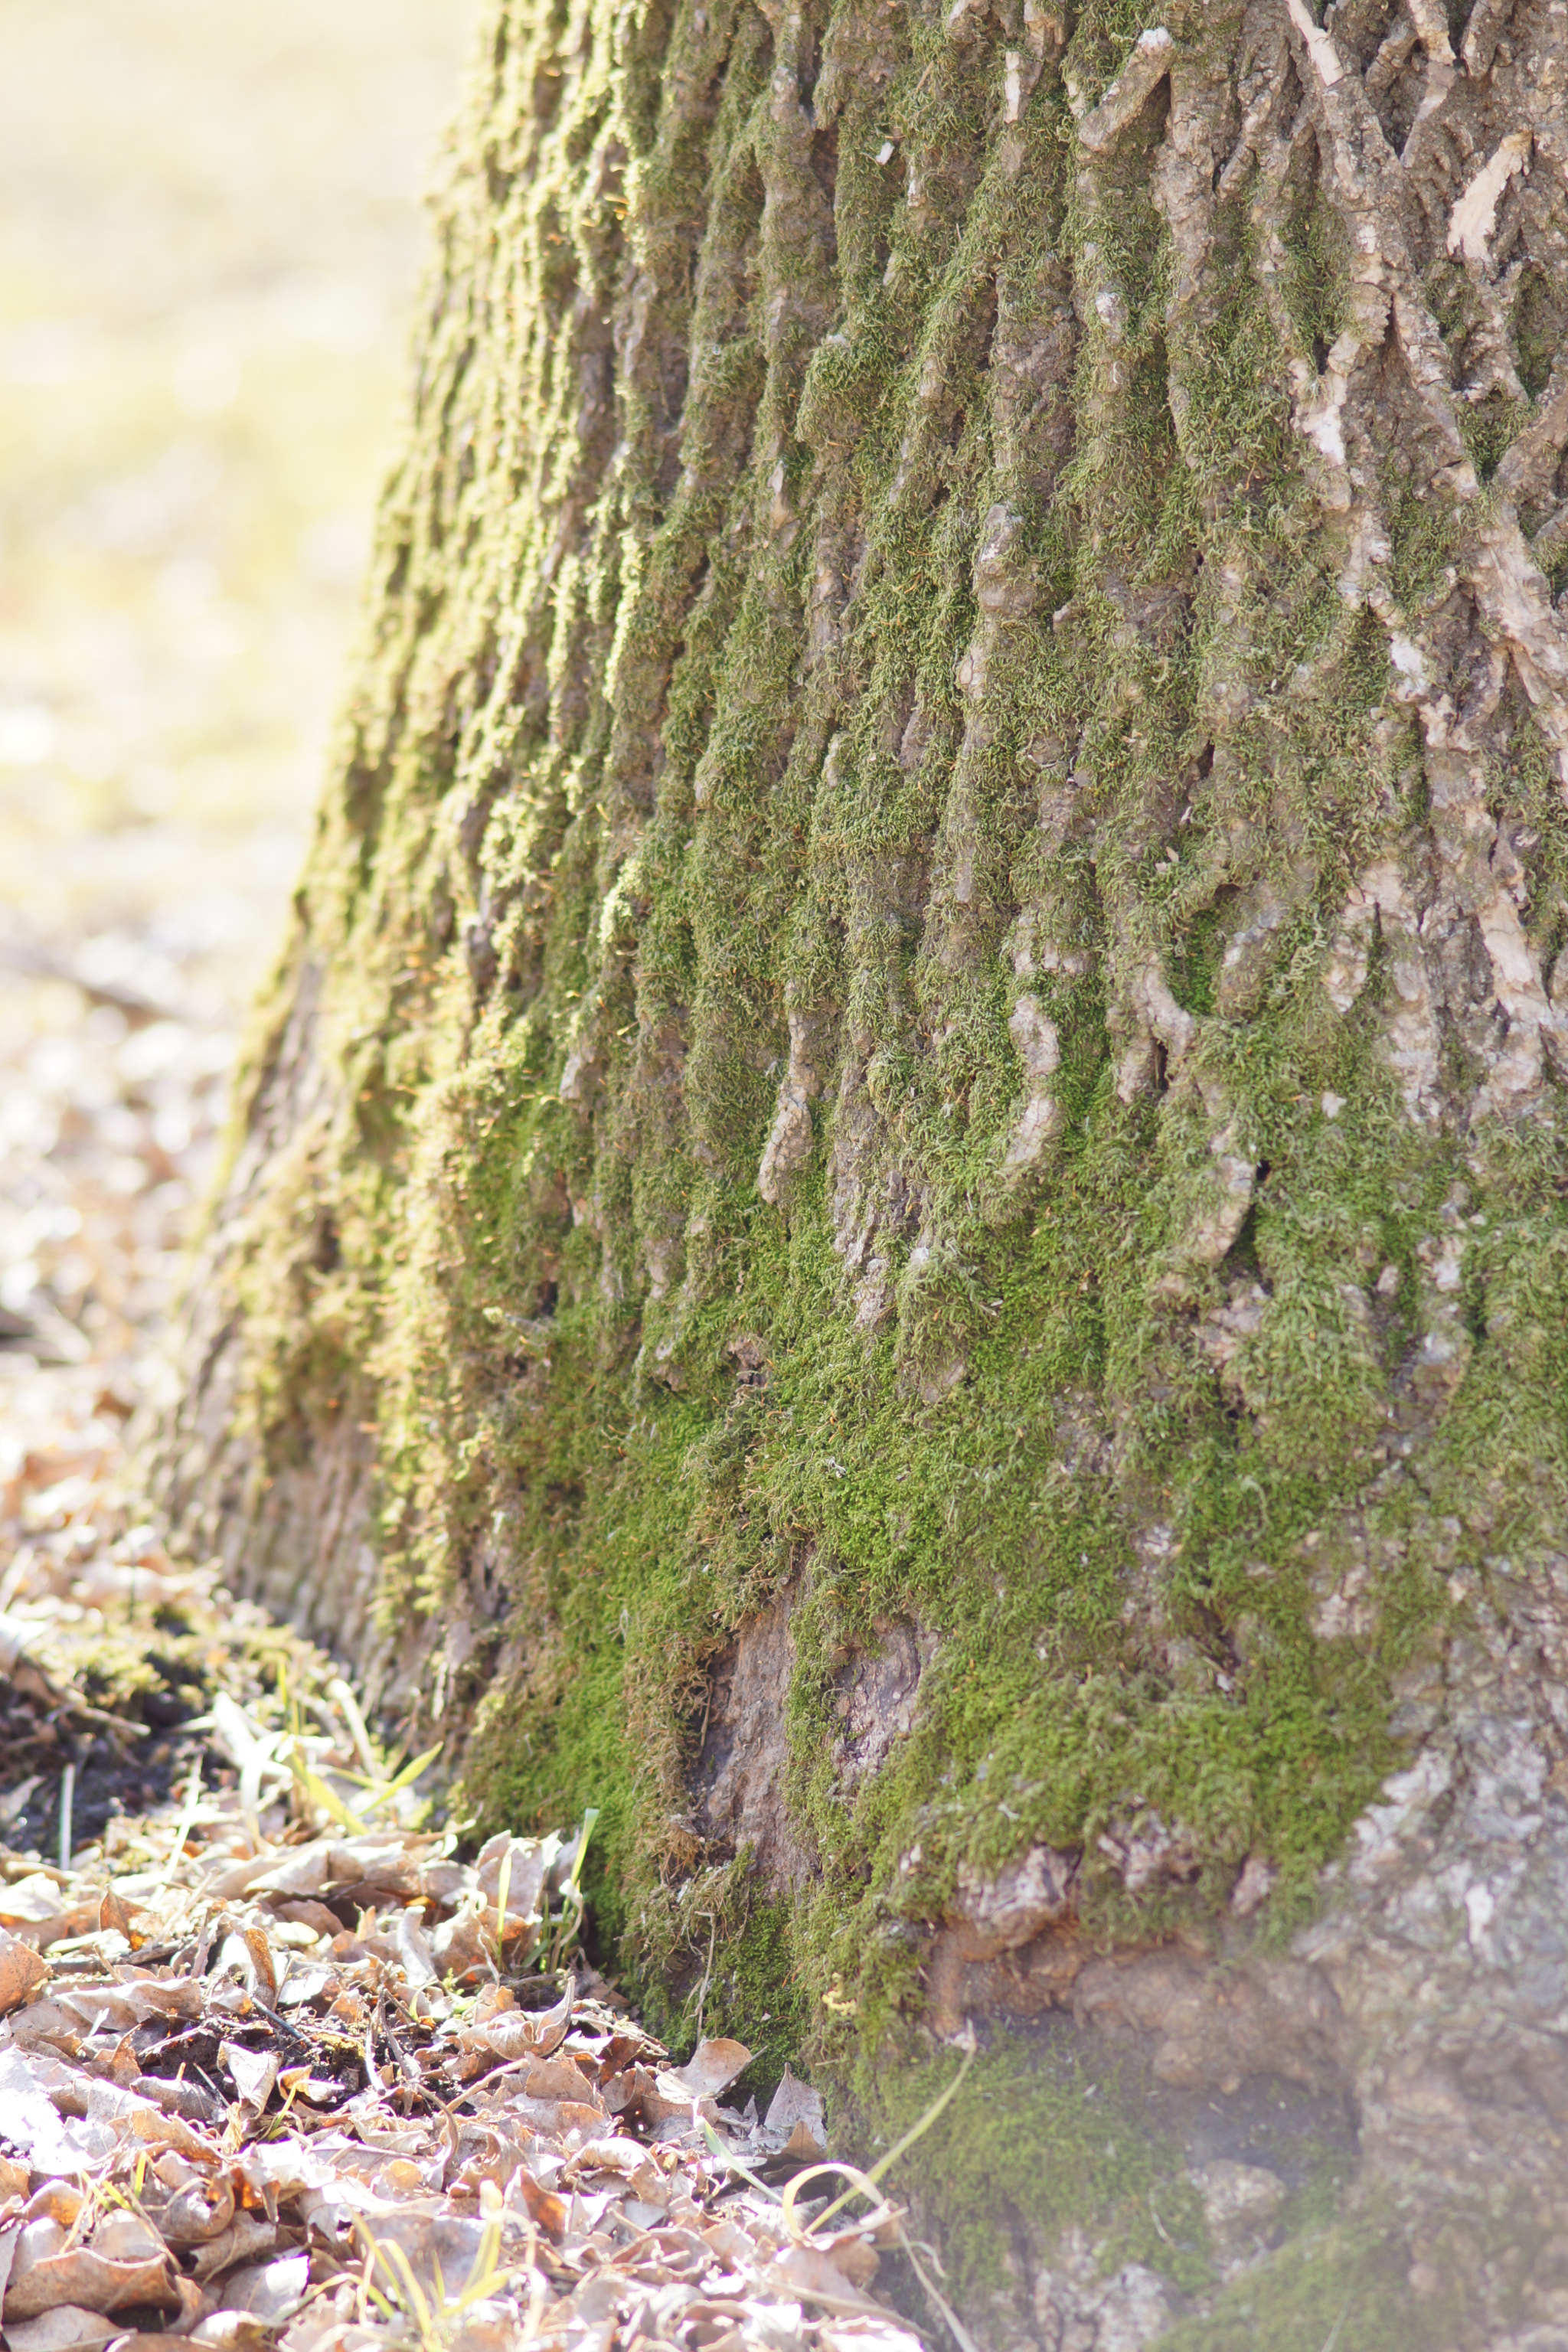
899	1211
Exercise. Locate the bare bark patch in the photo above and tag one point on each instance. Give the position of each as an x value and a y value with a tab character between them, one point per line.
877	1692
738	1783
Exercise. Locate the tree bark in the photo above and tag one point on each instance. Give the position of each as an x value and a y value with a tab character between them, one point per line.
899	1211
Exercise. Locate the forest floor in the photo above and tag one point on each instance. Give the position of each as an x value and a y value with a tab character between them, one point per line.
284	2061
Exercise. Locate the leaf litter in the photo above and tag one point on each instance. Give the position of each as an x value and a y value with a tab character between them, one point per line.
283	2063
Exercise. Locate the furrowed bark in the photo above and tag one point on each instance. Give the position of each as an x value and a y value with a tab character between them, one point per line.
899	1211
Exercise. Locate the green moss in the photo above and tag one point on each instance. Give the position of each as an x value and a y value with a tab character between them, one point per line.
1317	278
1490	426
1348	2286
726	1962
866	636
1537	324
1425	536
1039	2141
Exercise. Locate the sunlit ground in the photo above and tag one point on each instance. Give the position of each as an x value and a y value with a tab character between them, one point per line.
210	237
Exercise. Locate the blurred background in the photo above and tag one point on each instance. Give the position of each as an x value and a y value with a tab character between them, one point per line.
210	241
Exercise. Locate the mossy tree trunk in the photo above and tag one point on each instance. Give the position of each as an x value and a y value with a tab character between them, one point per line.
899	1212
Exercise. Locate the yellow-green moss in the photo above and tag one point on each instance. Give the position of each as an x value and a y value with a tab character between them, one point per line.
661	737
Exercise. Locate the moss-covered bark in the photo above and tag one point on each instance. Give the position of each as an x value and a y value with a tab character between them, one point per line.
929	998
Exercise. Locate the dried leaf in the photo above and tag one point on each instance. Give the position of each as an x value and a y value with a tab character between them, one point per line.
529	1861
795	2118
66	2328
413	1949
819	2278
514	2034
236	2331
255	2072
559	2078
188	2102
270	2292
30	1901
545	2208
711	2068
247	2237
866	2334
197	2212
114	1915
86	2277
152	2340
21	1971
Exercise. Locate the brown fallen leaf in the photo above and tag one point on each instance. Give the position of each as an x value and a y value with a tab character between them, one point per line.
867	2334
255	2072
462	1945
621	2092
114	1912
80	1919
66	2328
233	2331
711	2068
527	1861
246	1951
84	2276
197	2212
21	1971
794	2113
549	2026
508	2036
515	2034
545	2208
151	2340
820	2278
248	2235
616	2155
57	2200
559	2078
187	2101
301	1912
270	2292
30	1901
570	2116
44	2024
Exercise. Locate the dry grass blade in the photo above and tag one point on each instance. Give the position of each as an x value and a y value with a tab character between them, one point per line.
956	2328
917	2130
186	1824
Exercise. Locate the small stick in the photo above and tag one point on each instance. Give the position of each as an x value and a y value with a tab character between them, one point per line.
68	1792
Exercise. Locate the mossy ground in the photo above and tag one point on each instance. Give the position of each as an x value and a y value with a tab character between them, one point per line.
697	705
